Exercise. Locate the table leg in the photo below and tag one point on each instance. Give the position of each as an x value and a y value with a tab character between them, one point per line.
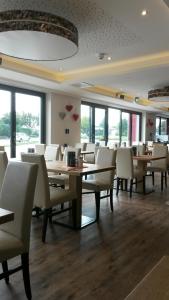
142	165
75	184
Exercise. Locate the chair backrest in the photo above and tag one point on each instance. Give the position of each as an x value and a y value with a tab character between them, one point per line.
124	163
52	152
105	157
71	149
17	195
59	154
2	148
160	150
141	149
90	158
40	148
3	165
82	146
42	193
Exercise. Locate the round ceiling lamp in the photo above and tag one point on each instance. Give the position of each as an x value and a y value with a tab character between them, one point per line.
36	35
160	95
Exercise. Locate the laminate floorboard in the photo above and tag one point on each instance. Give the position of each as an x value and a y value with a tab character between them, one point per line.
102	261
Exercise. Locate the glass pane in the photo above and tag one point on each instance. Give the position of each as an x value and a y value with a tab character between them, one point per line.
157	126
5	120
27	122
125	129
163	126
85	124
100	126
113	127
135	128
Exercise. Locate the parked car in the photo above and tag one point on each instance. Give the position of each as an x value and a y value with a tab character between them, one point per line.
22	137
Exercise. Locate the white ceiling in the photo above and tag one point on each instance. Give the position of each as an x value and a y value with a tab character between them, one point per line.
117	28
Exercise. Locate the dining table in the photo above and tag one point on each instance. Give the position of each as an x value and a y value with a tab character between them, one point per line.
6	216
142	161
75	184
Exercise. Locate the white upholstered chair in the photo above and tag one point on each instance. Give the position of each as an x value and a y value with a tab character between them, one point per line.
90	158
52	152
3	165
17	195
141	149
125	169
82	146
63	179
47	197
102	181
160	165
40	148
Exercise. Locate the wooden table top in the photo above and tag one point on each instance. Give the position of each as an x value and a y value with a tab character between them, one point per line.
6	216
59	166
147	158
86	152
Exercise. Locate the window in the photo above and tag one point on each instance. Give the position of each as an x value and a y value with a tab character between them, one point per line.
100	126
125	129
107	125
113	126
161	129
163	126
85	123
21	115
135	134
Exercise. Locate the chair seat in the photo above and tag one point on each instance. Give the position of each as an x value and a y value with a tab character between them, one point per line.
95	185
10	246
155	169
58	196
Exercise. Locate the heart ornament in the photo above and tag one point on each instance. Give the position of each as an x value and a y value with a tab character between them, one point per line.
75	117
62	115
69	107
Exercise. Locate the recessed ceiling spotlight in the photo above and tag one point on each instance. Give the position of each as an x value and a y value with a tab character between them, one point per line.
144	12
101	55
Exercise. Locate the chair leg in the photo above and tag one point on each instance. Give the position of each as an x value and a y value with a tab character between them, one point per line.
153	178
26	276
45	223
131	187
121	184
117	189
125	185
74	203
161	181
50	215
97	200
165	179
111	199
144	184
5	269
62	204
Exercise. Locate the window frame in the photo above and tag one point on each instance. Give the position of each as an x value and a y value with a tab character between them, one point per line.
106	107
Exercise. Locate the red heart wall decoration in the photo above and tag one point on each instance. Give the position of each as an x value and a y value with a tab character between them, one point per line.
69	107
75	117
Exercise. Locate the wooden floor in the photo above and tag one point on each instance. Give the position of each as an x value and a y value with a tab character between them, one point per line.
103	261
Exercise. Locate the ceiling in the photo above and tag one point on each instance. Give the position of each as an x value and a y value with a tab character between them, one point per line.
138	46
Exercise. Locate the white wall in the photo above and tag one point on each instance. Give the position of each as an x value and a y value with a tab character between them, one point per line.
55	126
